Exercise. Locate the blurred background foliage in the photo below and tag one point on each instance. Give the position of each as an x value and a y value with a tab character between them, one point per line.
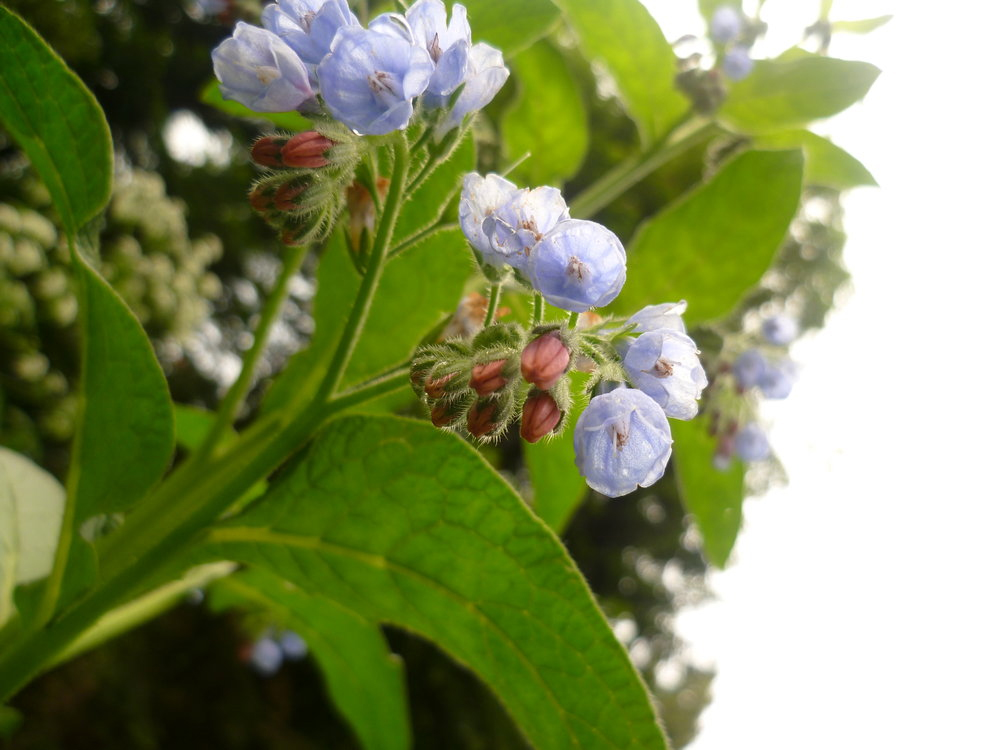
183	248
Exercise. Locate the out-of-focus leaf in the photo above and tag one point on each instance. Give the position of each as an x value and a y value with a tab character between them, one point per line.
211	95
125	437
713	246
406	524
548	119
429	202
826	164
714	498
31	510
625	38
557	483
364	679
861	26
56	120
510	25
779	95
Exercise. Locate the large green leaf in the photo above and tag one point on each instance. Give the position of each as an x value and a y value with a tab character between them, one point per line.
31	509
211	95
557	484
511	25
57	122
364	679
406	524
826	164
714	245
784	94
713	497
548	119
625	38
125	434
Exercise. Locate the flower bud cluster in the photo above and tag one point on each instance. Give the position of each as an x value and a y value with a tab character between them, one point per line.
574	264
367	78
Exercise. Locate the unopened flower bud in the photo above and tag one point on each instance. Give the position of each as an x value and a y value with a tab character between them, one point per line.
488	378
481	418
262	199
308	150
443	415
545	360
287	195
436	388
266	151
540	416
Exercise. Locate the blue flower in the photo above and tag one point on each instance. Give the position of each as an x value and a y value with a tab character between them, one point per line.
257	69
292	645
726	24
736	63
266	656
578	265
779	330
664	365
308	26
371	76
448	44
622	441
658	317
751	443
485	76
748	368
481	197
777	379
520	223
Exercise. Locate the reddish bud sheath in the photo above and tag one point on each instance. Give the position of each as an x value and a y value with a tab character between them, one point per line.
261	199
435	388
266	151
307	150
539	417
286	196
443	415
544	361
480	418
488	378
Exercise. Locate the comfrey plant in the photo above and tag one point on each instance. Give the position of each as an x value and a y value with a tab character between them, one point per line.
298	490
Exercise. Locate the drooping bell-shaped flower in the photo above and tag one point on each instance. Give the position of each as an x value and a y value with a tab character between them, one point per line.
448	44
664	365
371	76
751	443
622	441
485	76
257	69
481	197
578	265
657	317
308	26
520	223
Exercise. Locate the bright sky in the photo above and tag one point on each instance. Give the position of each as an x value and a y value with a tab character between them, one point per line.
861	609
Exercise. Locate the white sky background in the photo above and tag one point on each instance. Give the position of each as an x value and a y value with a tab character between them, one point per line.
861	609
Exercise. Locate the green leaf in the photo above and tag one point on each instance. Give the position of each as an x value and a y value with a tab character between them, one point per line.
211	95
56	120
779	95
406	524
714	245
10	720
862	26
364	679
625	38
714	498
826	164
31	509
511	25
125	434
557	483
548	118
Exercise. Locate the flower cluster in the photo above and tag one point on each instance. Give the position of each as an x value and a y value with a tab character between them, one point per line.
574	264
728	29
268	652
368	78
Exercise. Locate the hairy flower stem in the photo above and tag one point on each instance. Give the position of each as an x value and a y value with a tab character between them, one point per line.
491	309
538	313
574	317
234	397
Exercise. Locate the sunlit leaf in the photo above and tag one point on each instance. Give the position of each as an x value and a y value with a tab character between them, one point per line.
826	164
57	122
511	25
713	245
406	524
861	26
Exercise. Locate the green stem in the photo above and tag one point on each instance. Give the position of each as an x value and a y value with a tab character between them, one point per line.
538	312
573	318
417	237
627	173
234	397
491	309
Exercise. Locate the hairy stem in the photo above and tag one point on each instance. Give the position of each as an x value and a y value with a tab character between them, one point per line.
491	309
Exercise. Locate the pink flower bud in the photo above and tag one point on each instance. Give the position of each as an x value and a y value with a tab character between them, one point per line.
443	415
286	196
488	378
435	388
545	360
307	150
480	418
540	415
266	151
262	199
